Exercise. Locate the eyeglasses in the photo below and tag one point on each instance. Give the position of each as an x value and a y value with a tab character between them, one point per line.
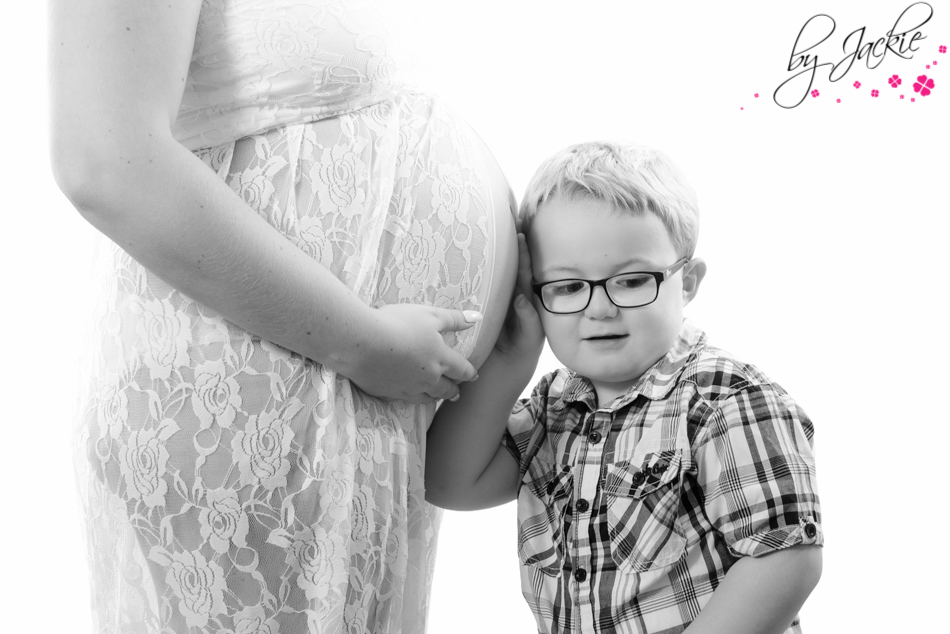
626	290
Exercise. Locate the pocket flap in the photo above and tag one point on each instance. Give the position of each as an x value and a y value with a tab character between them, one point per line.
636	480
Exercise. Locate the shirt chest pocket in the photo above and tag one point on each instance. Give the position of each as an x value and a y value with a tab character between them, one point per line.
643	504
546	491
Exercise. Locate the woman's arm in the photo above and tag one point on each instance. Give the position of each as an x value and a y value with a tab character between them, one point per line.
117	75
761	595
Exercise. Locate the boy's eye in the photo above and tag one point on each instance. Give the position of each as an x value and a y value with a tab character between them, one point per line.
567	287
630	282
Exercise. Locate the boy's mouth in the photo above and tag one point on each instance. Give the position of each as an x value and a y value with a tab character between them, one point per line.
605	337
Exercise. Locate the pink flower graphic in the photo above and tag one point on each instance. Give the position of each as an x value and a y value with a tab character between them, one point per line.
857	84
902	96
923	85
894	81
943	49
756	95
912	100
874	93
935	62
838	100
814	93
928	66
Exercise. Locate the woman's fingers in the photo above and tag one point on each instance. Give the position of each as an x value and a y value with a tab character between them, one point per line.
445	389
455	320
457	368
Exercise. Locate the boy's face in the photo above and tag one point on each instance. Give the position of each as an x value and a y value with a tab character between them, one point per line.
590	239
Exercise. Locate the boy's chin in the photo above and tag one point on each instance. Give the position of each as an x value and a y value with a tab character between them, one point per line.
618	379
602	371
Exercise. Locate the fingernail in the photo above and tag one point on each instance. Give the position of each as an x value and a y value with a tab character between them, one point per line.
472	316
476	378
455	398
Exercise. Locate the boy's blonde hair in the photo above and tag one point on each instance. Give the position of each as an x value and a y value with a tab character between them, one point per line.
630	177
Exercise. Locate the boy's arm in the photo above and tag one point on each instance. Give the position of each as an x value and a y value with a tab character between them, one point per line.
761	595
756	467
467	467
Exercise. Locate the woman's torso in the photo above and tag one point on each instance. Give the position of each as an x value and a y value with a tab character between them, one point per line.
229	484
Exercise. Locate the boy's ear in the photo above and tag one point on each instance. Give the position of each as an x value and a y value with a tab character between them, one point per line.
693	274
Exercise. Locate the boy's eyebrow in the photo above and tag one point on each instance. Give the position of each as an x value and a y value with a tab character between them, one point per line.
639	263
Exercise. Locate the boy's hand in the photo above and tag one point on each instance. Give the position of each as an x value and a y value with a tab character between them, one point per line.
522	335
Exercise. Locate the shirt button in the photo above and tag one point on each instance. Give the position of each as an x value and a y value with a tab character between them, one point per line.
580	575
582	506
638	478
594	437
810	530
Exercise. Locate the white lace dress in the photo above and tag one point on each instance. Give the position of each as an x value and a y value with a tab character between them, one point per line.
230	486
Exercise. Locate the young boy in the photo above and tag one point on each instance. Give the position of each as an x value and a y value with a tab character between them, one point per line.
662	484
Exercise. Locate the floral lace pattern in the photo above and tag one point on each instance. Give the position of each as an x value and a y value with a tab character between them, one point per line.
230	486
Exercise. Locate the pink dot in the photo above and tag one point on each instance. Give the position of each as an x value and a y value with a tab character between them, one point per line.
741	108
935	62
839	101
912	99
902	96
928	65
756	95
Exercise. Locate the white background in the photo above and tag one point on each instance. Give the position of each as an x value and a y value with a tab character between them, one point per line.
824	228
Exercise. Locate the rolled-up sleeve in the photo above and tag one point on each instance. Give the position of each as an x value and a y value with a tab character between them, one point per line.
523	421
519	428
756	466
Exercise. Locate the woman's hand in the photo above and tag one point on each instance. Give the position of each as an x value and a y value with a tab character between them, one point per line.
406	357
522	336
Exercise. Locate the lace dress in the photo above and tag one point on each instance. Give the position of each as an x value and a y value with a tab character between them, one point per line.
228	485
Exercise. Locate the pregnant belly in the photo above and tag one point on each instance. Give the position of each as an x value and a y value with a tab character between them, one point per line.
401	200
504	260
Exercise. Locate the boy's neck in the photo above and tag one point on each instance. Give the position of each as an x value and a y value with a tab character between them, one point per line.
606	392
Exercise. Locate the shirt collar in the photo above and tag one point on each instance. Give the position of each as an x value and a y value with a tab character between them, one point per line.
655	384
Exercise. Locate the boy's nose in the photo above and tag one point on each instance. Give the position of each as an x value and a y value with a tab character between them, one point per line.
600	306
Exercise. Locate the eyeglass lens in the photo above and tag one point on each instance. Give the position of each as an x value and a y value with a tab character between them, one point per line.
626	291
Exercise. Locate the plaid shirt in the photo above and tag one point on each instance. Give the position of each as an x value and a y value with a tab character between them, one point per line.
630	514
